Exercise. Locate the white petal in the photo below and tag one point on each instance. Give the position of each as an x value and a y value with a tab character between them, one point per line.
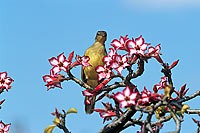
114	65
144	95
56	70
106	59
132	51
139	41
151	49
6	86
47	78
158	47
130	44
100	69
63	68
8	80
143	47
101	76
131	102
123	104
122	40
127	91
87	93
119	96
140	52
125	65
111	53
118	58
119	69
3	75
85	58
6	128
61	57
146	99
133	96
124	58
53	61
117	44
1	126
66	63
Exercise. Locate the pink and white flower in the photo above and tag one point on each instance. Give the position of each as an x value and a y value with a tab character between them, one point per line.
148	96
121	44
128	97
119	63
155	52
103	72
5	81
53	80
108	59
144	96
4	128
59	64
82	61
89	95
138	46
106	113
162	84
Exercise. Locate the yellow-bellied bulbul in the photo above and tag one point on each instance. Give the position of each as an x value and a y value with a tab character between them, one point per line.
89	75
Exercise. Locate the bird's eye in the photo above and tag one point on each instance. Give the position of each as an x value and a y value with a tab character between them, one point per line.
98	33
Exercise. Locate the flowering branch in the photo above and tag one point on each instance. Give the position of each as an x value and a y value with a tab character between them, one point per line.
132	99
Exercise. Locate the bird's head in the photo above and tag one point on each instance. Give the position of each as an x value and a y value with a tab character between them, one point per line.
101	36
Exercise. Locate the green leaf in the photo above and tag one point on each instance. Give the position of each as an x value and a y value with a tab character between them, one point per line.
72	110
49	129
56	121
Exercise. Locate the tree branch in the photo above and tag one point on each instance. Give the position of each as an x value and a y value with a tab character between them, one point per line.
177	121
187	98
193	111
81	83
117	125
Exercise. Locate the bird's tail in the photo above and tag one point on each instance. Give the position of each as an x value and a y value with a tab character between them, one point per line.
89	107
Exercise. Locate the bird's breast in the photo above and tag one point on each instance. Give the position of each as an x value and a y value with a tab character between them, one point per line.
96	58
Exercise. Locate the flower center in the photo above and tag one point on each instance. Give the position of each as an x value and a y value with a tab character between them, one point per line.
121	63
137	47
2	81
127	98
60	64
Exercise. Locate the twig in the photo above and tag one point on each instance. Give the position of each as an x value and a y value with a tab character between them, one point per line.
81	83
161	120
187	98
193	111
117	125
177	121
61	118
139	71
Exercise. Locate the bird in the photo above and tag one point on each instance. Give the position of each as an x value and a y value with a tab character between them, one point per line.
89	76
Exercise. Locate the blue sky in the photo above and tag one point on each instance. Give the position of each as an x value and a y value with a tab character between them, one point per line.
33	31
